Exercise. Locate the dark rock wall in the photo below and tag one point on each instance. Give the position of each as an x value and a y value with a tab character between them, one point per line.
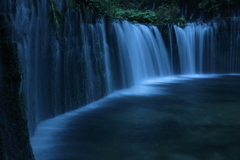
14	135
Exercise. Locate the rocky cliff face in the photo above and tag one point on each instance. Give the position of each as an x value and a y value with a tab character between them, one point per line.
14	136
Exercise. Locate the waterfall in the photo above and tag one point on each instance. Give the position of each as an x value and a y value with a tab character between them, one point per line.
192	46
91	57
74	66
208	47
235	43
61	71
141	51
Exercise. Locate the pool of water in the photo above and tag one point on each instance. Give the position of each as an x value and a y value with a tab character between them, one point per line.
188	119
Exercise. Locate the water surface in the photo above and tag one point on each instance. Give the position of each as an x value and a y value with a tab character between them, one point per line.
190	119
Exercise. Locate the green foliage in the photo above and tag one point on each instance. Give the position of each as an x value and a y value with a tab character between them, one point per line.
35	4
135	15
55	17
168	13
218	5
210	5
105	7
140	11
74	5
130	10
134	11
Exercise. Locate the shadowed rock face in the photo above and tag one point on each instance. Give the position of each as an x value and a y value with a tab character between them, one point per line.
14	136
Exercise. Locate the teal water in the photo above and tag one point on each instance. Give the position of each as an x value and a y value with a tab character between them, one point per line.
191	119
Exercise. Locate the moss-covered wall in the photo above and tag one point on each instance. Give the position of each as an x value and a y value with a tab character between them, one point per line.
14	136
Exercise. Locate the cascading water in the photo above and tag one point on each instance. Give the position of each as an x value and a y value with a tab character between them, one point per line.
88	59
208	47
227	47
141	51
234	56
64	72
66	69
192	47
